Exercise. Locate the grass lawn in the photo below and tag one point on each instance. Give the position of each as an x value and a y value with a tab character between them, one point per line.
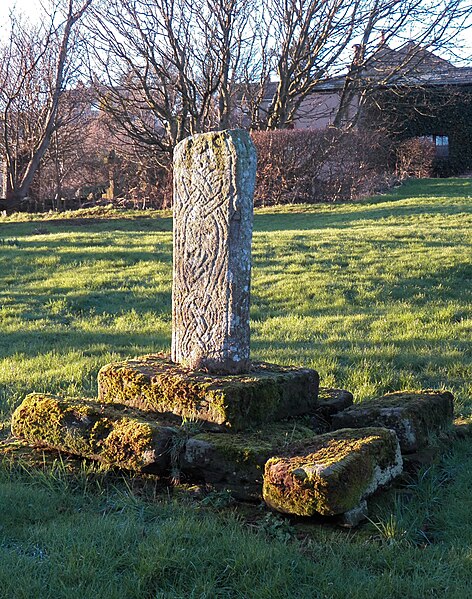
375	295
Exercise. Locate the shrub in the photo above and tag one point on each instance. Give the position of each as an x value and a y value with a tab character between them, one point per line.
313	166
415	158
144	180
293	166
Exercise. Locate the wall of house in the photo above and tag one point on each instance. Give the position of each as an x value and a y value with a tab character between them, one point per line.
424	112
319	110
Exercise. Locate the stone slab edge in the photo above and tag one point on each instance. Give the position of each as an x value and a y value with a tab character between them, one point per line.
333	474
267	393
235	461
83	427
414	415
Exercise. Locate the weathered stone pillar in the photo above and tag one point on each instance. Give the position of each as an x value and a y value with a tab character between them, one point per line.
214	177
5	177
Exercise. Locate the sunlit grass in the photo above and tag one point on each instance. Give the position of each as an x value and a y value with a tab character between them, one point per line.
375	295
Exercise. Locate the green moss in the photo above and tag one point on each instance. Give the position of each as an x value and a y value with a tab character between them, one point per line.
83	427
236	461
330	475
127	443
414	415
154	383
256	445
202	144
411	398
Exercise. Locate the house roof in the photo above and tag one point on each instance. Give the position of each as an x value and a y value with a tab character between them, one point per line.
409	65
408	58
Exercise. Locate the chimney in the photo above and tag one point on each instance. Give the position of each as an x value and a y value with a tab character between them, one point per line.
356	59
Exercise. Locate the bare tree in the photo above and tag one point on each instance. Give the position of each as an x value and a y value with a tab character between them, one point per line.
75	159
310	38
167	68
35	67
311	41
436	25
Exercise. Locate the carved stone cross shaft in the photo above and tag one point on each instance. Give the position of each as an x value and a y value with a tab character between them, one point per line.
214	177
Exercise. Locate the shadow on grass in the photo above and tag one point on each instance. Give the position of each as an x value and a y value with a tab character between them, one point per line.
439	286
89	343
106	302
32	256
342	219
42	226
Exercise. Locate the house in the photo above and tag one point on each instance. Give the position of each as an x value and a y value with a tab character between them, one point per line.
407	92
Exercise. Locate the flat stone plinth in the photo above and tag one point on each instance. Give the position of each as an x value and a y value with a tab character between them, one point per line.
82	427
415	416
264	394
333	473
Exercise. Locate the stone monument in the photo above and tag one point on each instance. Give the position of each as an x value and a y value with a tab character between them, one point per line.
249	438
214	178
209	375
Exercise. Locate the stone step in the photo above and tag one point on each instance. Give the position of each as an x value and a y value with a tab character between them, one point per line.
311	474
416	416
116	437
331	401
235	461
266	393
222	459
332	474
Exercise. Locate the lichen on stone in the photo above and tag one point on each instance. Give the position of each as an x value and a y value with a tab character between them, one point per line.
117	437
415	416
155	383
332	474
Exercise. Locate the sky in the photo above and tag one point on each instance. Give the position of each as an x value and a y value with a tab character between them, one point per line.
26	5
32	9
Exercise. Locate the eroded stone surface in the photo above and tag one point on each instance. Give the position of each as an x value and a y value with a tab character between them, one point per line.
236	461
214	177
355	516
331	401
83	427
333	473
414	415
266	393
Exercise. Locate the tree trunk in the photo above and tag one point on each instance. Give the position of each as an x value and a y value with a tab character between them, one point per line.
21	190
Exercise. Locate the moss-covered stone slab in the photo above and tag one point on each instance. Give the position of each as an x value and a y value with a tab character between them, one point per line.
265	394
415	416
331	401
82	427
235	461
18	450
332	474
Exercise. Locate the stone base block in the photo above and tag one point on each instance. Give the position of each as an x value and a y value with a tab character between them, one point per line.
235	461
414	415
266	393
82	427
333	473
354	517
330	402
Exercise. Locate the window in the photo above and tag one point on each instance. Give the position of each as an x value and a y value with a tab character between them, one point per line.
442	145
